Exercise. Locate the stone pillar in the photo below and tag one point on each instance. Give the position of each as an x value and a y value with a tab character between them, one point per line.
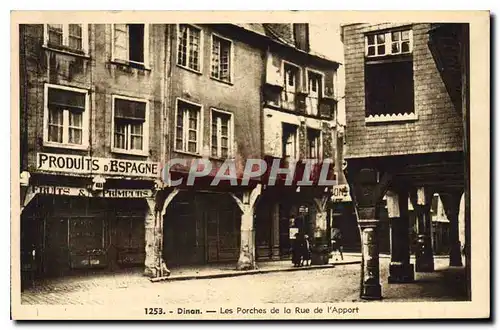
370	282
451	204
275	232
246	204
155	265
150	239
368	187
400	268
424	259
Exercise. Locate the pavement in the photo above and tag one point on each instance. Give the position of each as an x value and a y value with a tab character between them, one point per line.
276	282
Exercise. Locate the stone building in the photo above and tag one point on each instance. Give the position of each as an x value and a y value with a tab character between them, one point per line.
104	107
406	100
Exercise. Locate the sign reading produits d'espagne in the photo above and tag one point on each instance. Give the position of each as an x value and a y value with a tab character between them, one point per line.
96	165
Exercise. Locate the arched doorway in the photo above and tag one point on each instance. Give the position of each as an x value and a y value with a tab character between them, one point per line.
201	228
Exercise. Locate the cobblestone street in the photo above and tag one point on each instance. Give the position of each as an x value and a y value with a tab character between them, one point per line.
340	283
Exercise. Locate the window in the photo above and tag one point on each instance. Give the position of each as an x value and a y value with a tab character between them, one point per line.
66	116
290	83
315	89
389	43
130	125
221	59
71	37
221	136
313	143
290	142
131	43
188	127
189	47
389	87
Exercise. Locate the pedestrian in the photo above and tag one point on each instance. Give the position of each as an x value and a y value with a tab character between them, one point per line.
337	242
306	251
296	251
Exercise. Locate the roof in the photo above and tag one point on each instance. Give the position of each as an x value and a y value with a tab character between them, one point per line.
281	34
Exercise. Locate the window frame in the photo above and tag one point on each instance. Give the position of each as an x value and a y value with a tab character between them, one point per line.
231	142
199	142
297	141
320	97
146	63
231	58
201	52
298	82
65	48
319	147
145	128
388	42
85	120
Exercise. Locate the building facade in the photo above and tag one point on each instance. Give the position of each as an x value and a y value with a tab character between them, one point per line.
91	122
405	92
104	108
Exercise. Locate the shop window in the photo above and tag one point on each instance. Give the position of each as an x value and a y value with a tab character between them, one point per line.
66	117
315	88
290	140
313	143
71	37
130	125
189	47
188	127
221	134
130	43
221	59
290	86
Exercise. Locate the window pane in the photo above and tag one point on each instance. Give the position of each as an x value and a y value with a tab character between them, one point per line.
224	129
215	57
395	48
192	135
75	135
396	35
136	142
182	45
371	39
224	142
214	151
75	36
381	50
136	42
371	50
121	41
192	146
194	43
380	38
56	116
405	46
75	119
405	35
136	129
225	60
120	135
224	152
178	144
55	133
55	32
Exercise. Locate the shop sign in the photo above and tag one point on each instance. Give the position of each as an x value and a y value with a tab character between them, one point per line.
96	165
340	193
108	193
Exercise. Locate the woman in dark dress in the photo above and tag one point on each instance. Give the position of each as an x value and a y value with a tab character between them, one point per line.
306	251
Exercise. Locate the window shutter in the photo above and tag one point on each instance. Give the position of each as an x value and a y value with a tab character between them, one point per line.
66	99
120	42
127	109
273	70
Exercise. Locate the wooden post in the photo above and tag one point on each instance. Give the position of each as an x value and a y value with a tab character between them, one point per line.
451	203
400	268
421	199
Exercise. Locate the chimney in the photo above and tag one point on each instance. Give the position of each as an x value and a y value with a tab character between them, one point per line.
301	36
